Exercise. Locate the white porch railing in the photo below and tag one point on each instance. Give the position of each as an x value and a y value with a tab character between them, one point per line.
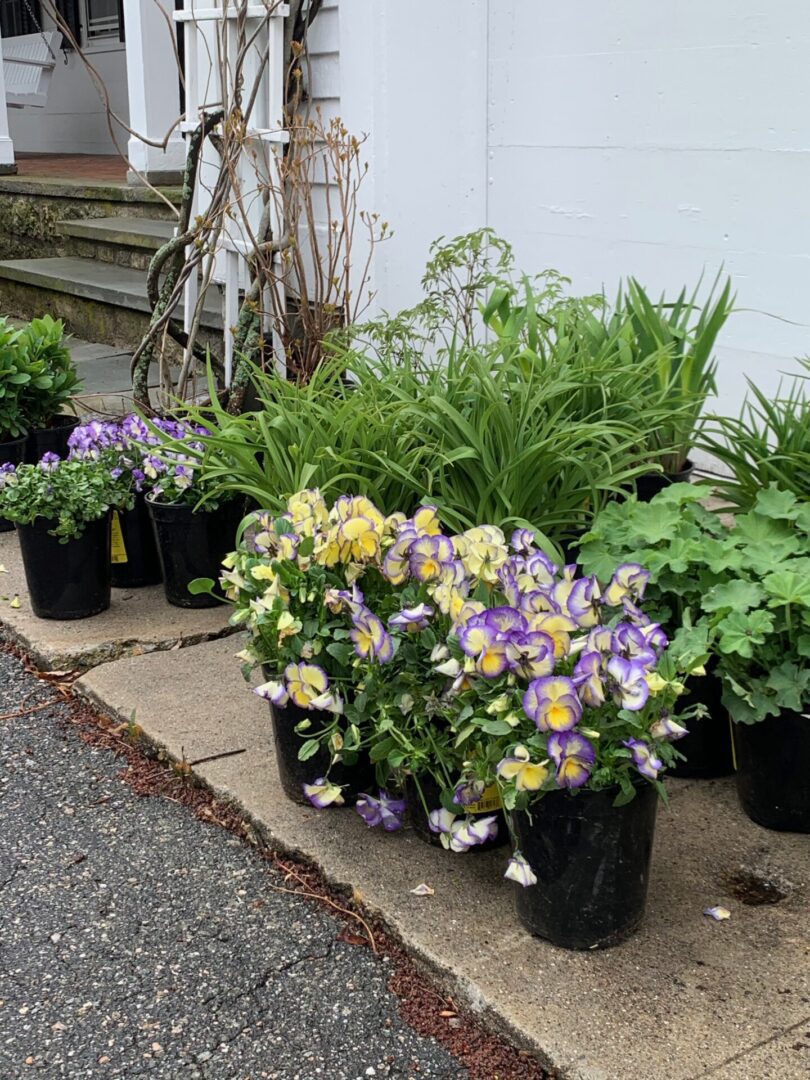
210	47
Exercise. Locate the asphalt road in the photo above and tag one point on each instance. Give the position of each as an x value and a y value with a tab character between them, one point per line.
137	941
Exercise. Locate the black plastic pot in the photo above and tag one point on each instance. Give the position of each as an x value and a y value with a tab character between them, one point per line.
11	453
192	544
592	862
650	484
708	745
67	581
773	771
294	773
135	560
52	439
419	816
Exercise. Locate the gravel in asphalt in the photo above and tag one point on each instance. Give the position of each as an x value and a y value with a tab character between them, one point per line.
137	941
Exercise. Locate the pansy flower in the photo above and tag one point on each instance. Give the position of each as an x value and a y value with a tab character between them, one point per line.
579	599
523	540
467	792
519	767
322	793
530	654
428	557
643	758
520	871
667	728
630	580
574	756
305	683
588	679
371	640
552	703
385	810
629	641
559	628
273	691
412	619
629	683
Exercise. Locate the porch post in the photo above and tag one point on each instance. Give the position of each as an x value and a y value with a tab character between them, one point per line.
7	163
153	83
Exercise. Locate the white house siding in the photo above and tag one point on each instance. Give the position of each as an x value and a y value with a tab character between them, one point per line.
74	121
603	138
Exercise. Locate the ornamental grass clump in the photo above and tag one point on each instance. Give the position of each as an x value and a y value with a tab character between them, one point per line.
458	663
769	443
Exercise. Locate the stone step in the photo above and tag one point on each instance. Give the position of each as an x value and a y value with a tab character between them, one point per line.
126	241
99	301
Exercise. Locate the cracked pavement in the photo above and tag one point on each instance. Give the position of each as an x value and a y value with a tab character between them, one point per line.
138	941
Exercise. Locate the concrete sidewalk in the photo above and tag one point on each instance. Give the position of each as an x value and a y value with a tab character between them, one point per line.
686	998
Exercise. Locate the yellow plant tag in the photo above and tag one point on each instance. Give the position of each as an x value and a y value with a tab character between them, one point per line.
119	551
489	802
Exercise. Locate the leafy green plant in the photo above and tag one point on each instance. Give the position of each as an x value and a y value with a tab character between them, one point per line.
53	376
68	493
741	593
760	614
768	443
14	376
668	537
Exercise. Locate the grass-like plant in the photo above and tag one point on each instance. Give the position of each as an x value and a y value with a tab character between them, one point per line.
673	343
768	443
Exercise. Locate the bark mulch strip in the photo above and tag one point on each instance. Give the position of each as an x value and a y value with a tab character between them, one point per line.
429	1011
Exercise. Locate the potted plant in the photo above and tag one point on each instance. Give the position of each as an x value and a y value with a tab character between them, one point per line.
62	511
556	691
122	444
293	580
53	381
194	528
760	616
13	377
673	538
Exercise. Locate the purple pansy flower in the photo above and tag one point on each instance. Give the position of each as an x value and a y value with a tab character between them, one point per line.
385	810
629	683
643	758
574	756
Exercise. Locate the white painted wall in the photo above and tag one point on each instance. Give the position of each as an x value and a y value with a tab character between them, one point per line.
603	138
74	121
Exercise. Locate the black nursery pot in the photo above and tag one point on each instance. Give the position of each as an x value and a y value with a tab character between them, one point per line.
707	747
52	439
650	484
294	773
192	544
135	560
11	453
592	862
773	771
419	816
67	581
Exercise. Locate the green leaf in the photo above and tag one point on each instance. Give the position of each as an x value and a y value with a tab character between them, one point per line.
309	749
787	587
202	585
740	632
736	595
774	503
341	651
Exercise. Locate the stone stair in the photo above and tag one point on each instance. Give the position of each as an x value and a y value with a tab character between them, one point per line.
99	285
